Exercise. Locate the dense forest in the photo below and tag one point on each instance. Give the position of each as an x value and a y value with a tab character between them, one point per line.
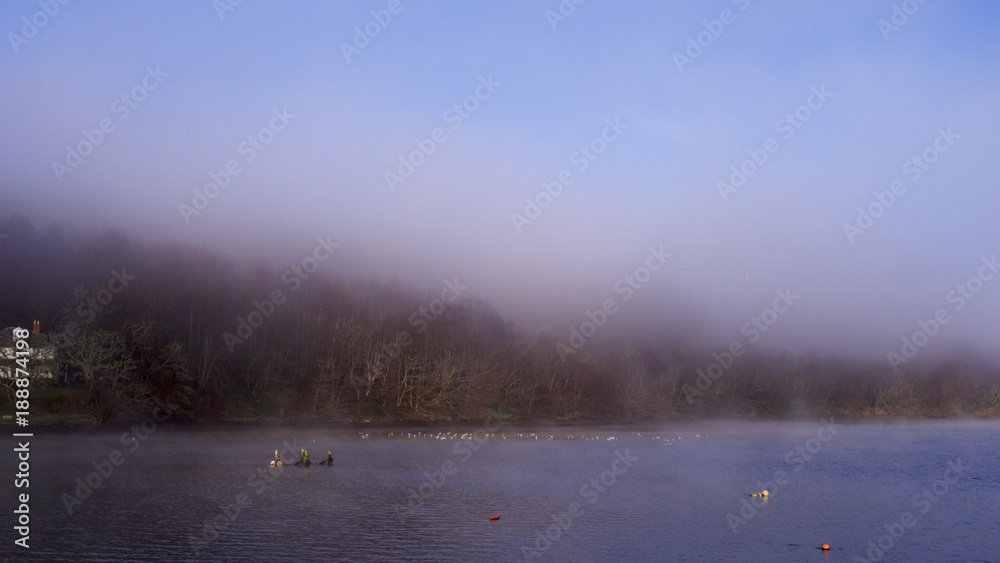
135	325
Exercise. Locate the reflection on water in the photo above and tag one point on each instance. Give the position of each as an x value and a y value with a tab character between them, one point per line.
888	492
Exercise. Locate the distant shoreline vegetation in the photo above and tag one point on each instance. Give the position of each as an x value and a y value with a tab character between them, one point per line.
341	350
73	423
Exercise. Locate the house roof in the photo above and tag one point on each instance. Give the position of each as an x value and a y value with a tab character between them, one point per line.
34	340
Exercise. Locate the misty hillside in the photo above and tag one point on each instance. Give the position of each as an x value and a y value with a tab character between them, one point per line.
133	324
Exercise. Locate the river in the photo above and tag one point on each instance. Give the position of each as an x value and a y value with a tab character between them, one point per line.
873	491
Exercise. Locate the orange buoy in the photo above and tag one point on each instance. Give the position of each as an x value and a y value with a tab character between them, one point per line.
494	517
825	547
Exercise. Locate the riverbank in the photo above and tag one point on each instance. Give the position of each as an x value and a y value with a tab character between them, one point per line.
81	422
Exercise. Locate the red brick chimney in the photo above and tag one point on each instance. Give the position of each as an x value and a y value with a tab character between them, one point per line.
36	328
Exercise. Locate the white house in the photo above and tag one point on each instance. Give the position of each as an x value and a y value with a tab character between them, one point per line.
41	354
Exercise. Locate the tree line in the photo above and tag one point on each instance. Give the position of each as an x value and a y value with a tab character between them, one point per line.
134	325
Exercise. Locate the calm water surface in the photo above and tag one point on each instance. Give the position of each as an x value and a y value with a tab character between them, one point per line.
927	491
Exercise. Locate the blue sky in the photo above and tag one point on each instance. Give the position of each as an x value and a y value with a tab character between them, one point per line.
655	184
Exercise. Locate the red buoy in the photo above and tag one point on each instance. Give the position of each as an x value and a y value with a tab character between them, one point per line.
494	517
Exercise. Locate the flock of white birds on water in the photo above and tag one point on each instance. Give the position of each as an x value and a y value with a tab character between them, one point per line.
480	435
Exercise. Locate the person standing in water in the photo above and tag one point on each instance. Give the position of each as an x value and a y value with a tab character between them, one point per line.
277	460
329	458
